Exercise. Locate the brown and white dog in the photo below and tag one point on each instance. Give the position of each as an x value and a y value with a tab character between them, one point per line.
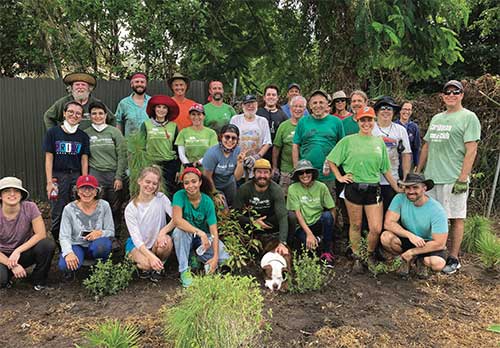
276	267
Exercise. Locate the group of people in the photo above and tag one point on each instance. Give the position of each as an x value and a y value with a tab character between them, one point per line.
285	168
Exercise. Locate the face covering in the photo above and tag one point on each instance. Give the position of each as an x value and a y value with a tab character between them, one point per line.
69	128
99	127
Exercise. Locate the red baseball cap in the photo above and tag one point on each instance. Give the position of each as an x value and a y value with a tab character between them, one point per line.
87	180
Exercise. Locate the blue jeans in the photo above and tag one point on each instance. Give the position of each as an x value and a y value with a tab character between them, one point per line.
323	227
185	242
97	249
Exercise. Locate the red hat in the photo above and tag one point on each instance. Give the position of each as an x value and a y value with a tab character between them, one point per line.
190	170
197	107
87	180
173	108
365	112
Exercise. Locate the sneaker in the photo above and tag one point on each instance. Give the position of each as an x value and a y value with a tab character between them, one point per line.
327	259
143	274
194	263
39	287
186	278
452	265
155	276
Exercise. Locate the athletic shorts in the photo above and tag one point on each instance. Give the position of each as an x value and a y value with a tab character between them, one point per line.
363	194
129	245
454	205
407	245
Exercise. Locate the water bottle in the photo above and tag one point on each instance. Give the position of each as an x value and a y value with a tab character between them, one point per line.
200	250
54	194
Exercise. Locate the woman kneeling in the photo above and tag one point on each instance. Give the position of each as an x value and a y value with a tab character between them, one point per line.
86	227
149	245
196	225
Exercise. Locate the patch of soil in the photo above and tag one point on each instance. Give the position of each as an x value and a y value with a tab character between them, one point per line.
352	311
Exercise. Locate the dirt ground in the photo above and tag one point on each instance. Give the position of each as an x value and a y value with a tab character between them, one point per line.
352	311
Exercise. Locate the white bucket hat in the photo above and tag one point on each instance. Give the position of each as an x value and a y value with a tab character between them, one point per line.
12	182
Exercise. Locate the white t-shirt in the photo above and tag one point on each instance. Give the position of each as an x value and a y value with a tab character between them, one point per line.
391	136
145	220
254	134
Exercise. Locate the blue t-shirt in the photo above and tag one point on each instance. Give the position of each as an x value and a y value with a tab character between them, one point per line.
201	217
221	166
131	114
422	221
66	148
288	112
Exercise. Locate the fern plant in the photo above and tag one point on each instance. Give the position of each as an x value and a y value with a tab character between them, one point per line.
112	334
475	227
488	246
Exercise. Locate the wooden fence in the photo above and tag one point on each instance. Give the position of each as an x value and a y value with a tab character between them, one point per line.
22	105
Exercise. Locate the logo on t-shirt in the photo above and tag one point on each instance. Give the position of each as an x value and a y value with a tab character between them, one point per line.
68	147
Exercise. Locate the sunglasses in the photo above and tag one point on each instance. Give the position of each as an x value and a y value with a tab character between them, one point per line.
340	100
302	172
230	137
454	92
386	107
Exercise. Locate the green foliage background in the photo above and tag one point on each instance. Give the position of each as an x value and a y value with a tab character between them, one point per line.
380	46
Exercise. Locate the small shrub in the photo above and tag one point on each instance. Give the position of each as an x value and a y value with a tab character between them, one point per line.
108	278
488	247
239	241
380	267
475	227
216	311
308	273
111	334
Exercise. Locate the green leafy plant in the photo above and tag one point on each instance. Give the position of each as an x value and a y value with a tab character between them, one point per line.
494	328
488	246
216	311
475	227
112	334
239	241
108	278
308	273
380	267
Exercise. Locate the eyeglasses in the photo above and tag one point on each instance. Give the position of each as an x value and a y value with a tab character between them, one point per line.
454	92
72	112
302	172
386	107
340	100
229	137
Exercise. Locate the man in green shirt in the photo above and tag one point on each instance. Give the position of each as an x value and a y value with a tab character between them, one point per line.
359	100
217	113
266	198
283	141
448	155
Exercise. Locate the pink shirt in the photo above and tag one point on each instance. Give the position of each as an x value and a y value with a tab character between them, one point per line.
17	231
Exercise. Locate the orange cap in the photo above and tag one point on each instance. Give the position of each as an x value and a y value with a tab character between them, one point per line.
365	112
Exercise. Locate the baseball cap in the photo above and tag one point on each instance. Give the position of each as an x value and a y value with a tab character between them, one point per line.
249	98
293	84
262	163
87	180
453	83
197	107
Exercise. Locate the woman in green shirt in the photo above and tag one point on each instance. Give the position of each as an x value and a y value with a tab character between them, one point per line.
160	133
192	142
363	157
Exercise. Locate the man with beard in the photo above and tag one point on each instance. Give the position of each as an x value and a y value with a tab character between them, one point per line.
217	113
131	110
416	226
359	100
80	85
266	198
179	84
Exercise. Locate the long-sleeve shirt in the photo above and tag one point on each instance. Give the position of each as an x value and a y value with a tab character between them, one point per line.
268	203
74	221
108	151
145	220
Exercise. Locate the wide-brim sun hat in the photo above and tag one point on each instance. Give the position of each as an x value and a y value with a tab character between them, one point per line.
413	179
79	76
301	166
339	95
178	76
13	182
387	100
159	99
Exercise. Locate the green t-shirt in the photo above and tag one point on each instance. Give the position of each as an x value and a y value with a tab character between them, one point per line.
218	116
196	142
311	201
446	136
316	139
365	157
201	217
160	140
350	125
284	140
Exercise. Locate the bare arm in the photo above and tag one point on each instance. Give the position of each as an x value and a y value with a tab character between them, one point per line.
406	164
239	171
295	154
276	155
438	242
391	224
390	179
85	164
49	160
182	223
423	157
470	156
263	150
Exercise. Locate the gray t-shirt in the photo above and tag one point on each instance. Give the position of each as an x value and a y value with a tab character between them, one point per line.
221	166
74	221
19	230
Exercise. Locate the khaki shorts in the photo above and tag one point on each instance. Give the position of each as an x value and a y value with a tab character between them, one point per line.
454	205
285	181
